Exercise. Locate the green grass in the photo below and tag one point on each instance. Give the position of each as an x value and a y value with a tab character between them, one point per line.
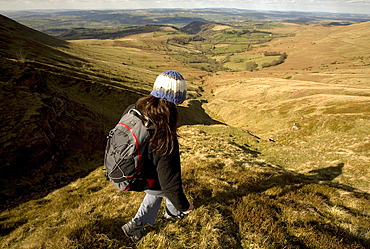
237	62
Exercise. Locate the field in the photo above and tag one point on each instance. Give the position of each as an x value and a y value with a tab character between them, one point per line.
275	157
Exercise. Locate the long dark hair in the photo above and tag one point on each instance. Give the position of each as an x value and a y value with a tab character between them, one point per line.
164	116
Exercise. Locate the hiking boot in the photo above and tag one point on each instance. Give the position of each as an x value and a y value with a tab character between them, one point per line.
133	231
168	217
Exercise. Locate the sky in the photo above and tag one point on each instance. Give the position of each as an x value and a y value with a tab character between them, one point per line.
333	6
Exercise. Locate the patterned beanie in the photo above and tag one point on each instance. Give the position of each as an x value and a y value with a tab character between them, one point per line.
171	86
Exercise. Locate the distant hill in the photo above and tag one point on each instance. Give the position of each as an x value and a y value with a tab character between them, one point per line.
197	26
55	23
108	33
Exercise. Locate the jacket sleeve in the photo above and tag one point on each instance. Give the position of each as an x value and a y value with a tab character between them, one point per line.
169	176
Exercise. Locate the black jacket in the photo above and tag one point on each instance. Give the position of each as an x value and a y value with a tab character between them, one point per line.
166	170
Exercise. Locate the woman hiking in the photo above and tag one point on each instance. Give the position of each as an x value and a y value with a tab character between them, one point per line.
162	160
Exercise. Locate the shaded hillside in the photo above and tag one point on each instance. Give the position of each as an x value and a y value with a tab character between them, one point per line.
12	29
45	130
197	26
85	33
41	128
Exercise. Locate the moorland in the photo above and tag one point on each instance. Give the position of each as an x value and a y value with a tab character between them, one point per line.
275	134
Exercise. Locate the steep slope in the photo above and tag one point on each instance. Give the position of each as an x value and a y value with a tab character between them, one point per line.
42	128
23	43
355	34
318	51
52	126
59	100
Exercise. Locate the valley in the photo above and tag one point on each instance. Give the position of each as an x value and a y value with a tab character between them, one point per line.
273	157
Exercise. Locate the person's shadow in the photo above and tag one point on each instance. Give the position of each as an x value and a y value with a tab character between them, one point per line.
275	176
327	174
283	178
195	114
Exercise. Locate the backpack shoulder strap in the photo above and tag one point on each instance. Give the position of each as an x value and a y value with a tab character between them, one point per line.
146	120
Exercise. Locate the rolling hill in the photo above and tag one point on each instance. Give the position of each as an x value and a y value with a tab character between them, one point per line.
316	102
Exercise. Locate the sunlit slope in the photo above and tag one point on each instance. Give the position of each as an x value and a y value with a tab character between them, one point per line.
267	105
323	50
312	112
139	58
242	201
355	34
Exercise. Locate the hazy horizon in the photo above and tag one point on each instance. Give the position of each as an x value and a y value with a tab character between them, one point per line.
330	6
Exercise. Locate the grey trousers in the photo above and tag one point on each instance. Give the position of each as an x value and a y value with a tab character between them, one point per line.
150	205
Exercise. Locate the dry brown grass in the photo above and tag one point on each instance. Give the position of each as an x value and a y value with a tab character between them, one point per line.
241	201
315	106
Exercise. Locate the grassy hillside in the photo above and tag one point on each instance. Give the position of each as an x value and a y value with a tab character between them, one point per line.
60	99
317	113
241	201
275	158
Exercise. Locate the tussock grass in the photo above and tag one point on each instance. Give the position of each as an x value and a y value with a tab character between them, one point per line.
241	201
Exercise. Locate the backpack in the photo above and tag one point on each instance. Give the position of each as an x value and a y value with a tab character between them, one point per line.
126	144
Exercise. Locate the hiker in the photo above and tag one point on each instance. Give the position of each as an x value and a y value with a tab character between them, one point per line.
162	159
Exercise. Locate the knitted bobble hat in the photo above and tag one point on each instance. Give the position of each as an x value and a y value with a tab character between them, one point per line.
171	86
